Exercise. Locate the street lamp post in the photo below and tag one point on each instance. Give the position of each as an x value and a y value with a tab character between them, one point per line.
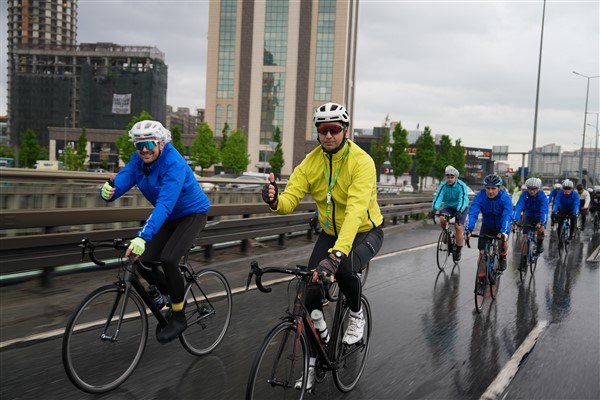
584	123
65	143
594	173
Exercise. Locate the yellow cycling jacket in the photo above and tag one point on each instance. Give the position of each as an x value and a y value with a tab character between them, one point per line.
354	205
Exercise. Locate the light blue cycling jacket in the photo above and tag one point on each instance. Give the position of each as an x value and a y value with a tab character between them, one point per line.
453	196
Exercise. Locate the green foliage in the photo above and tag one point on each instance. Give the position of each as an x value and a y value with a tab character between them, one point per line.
400	160
126	147
29	151
379	150
204	152
443	158
234	154
425	154
6	152
276	161
81	150
458	157
176	139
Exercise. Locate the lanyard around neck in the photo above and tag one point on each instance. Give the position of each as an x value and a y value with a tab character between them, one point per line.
332	182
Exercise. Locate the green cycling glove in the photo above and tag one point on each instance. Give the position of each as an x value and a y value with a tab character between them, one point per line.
107	191
137	246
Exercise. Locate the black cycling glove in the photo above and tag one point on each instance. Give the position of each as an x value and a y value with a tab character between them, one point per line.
265	193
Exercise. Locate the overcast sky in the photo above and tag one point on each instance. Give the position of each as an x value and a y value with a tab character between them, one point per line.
464	68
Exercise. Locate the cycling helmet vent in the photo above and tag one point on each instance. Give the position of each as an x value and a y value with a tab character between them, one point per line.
492	180
331	112
567	184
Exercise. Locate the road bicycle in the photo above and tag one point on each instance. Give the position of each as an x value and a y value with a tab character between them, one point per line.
283	357
563	238
529	254
106	336
596	221
487	273
446	244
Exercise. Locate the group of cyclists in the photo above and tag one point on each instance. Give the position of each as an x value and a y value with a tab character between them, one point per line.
528	208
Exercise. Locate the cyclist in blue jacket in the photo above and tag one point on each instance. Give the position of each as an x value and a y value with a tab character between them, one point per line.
566	205
453	193
535	206
180	206
496	207
556	190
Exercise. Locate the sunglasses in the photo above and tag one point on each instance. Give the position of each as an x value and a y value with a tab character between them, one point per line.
332	128
449	176
568	189
148	144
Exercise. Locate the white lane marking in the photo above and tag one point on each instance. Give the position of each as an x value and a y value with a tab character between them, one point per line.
594	256
61	331
425	246
511	368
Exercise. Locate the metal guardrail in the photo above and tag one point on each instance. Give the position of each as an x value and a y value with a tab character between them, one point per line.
45	238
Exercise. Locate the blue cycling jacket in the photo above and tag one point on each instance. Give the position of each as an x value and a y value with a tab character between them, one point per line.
497	212
553	194
453	196
168	183
568	204
534	206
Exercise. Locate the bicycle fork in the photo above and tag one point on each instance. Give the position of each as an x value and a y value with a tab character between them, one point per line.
122	292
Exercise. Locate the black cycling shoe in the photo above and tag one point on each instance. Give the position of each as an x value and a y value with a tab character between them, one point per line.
457	254
176	323
540	248
502	264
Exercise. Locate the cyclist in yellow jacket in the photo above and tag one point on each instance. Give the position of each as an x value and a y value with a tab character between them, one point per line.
342	179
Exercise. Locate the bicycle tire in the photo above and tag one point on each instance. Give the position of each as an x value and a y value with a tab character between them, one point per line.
279	362
494	279
533	258
208	312
480	285
96	364
443	252
351	359
524	260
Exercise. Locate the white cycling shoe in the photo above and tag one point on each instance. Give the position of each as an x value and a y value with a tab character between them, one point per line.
355	330
309	382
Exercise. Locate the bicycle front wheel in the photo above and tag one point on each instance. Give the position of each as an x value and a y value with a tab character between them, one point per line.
533	256
480	284
494	279
208	312
281	360
443	251
351	359
100	350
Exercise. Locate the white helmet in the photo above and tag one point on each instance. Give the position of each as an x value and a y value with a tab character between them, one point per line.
523	187
533	183
567	184
331	112
557	186
450	170
148	130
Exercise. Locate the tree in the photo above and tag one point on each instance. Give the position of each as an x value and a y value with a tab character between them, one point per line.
81	151
204	152
29	151
443	158
400	160
235	155
379	150
176	140
125	146
425	155
6	152
276	161
458	159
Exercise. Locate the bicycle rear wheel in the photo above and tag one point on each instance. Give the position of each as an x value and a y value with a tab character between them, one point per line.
480	284
208	312
443	251
280	361
97	354
351	359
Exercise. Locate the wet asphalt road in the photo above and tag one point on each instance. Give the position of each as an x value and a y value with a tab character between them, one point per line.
427	342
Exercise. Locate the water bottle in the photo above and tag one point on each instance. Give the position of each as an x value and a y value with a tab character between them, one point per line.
156	296
320	324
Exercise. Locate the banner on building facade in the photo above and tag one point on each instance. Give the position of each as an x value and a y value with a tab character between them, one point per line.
121	103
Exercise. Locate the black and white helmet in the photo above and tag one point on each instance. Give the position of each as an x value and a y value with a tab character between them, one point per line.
331	112
149	130
533	183
450	170
567	184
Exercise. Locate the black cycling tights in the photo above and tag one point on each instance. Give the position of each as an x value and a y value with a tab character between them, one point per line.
365	246
166	249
